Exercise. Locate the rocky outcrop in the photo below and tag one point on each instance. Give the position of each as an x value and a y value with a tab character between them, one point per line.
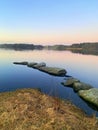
36	65
77	86
39	65
85	91
42	67
69	82
90	96
21	63
31	64
54	71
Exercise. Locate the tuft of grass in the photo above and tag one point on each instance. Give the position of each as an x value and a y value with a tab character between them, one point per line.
29	109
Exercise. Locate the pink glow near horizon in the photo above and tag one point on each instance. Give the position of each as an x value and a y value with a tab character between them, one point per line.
48	22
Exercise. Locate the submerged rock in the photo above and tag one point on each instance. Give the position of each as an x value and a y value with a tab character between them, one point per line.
69	82
90	96
21	63
77	86
54	71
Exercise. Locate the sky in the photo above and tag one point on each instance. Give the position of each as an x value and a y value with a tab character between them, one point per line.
48	21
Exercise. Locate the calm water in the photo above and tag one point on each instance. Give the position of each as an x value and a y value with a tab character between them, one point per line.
83	67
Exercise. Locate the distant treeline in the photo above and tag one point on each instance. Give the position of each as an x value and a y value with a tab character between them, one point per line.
84	48
89	46
56	47
22	46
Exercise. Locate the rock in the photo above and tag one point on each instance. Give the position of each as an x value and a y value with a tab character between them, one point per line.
39	65
54	71
31	64
36	65
42	67
77	86
90	96
21	63
69	82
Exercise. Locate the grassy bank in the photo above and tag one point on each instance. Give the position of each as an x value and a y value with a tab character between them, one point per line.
29	109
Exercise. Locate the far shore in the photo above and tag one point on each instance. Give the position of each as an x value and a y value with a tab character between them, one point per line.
83	48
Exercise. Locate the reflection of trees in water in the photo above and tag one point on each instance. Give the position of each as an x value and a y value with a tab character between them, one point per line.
88	52
85	48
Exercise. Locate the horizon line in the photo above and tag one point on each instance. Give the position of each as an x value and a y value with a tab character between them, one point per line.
44	43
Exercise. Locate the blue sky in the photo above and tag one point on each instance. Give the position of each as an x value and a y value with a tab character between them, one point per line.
49	21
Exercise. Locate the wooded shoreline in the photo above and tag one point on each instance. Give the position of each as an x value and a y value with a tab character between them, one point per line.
84	48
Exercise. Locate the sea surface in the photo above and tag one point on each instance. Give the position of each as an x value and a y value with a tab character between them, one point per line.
82	67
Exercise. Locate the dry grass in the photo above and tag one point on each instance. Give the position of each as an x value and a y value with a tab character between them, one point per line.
29	109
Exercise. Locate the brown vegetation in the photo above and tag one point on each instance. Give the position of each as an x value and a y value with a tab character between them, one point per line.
29	109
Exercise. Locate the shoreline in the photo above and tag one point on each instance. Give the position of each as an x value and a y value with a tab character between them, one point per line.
86	91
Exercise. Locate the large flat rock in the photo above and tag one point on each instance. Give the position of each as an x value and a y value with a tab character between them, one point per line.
77	86
90	96
69	82
39	65
31	64
21	63
42	67
54	71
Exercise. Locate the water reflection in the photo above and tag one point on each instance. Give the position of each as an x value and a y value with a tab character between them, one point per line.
83	67
85	52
